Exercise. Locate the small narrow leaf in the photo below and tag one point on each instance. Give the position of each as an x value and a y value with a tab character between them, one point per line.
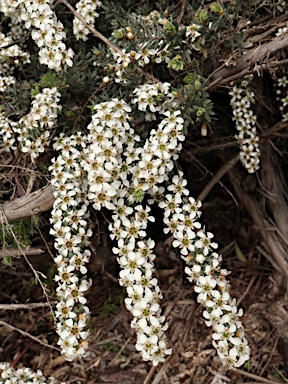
240	254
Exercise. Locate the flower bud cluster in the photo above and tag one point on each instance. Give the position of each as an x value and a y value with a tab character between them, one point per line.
142	56
181	215
32	130
23	375
245	120
48	32
280	83
70	228
121	61
87	9
9	59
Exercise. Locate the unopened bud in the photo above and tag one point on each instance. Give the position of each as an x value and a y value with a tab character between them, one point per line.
130	35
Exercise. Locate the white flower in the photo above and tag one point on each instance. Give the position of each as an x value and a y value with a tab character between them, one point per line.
204	243
171	204
185	241
204	287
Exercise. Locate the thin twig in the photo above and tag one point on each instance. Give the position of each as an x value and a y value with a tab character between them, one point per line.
159	376
86	103
91	29
18	357
198	150
16	252
16	41
90	97
113	361
247	290
3	219
30	184
183	6
28	335
259	378
218	176
210	173
16	307
150	374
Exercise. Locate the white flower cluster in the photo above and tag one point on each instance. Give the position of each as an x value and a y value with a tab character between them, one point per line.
152	98
9	60
87	9
108	169
69	220
149	19
155	162
280	84
16	28
108	133
107	182
113	150
181	214
48	32
142	56
87	170
9	375
148	167
135	257
32	130
245	120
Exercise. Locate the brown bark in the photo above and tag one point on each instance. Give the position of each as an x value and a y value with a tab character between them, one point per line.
255	57
271	226
36	202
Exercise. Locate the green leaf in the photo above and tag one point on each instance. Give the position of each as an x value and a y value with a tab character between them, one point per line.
240	254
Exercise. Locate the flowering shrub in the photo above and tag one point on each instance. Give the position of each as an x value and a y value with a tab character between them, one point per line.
112	144
109	112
